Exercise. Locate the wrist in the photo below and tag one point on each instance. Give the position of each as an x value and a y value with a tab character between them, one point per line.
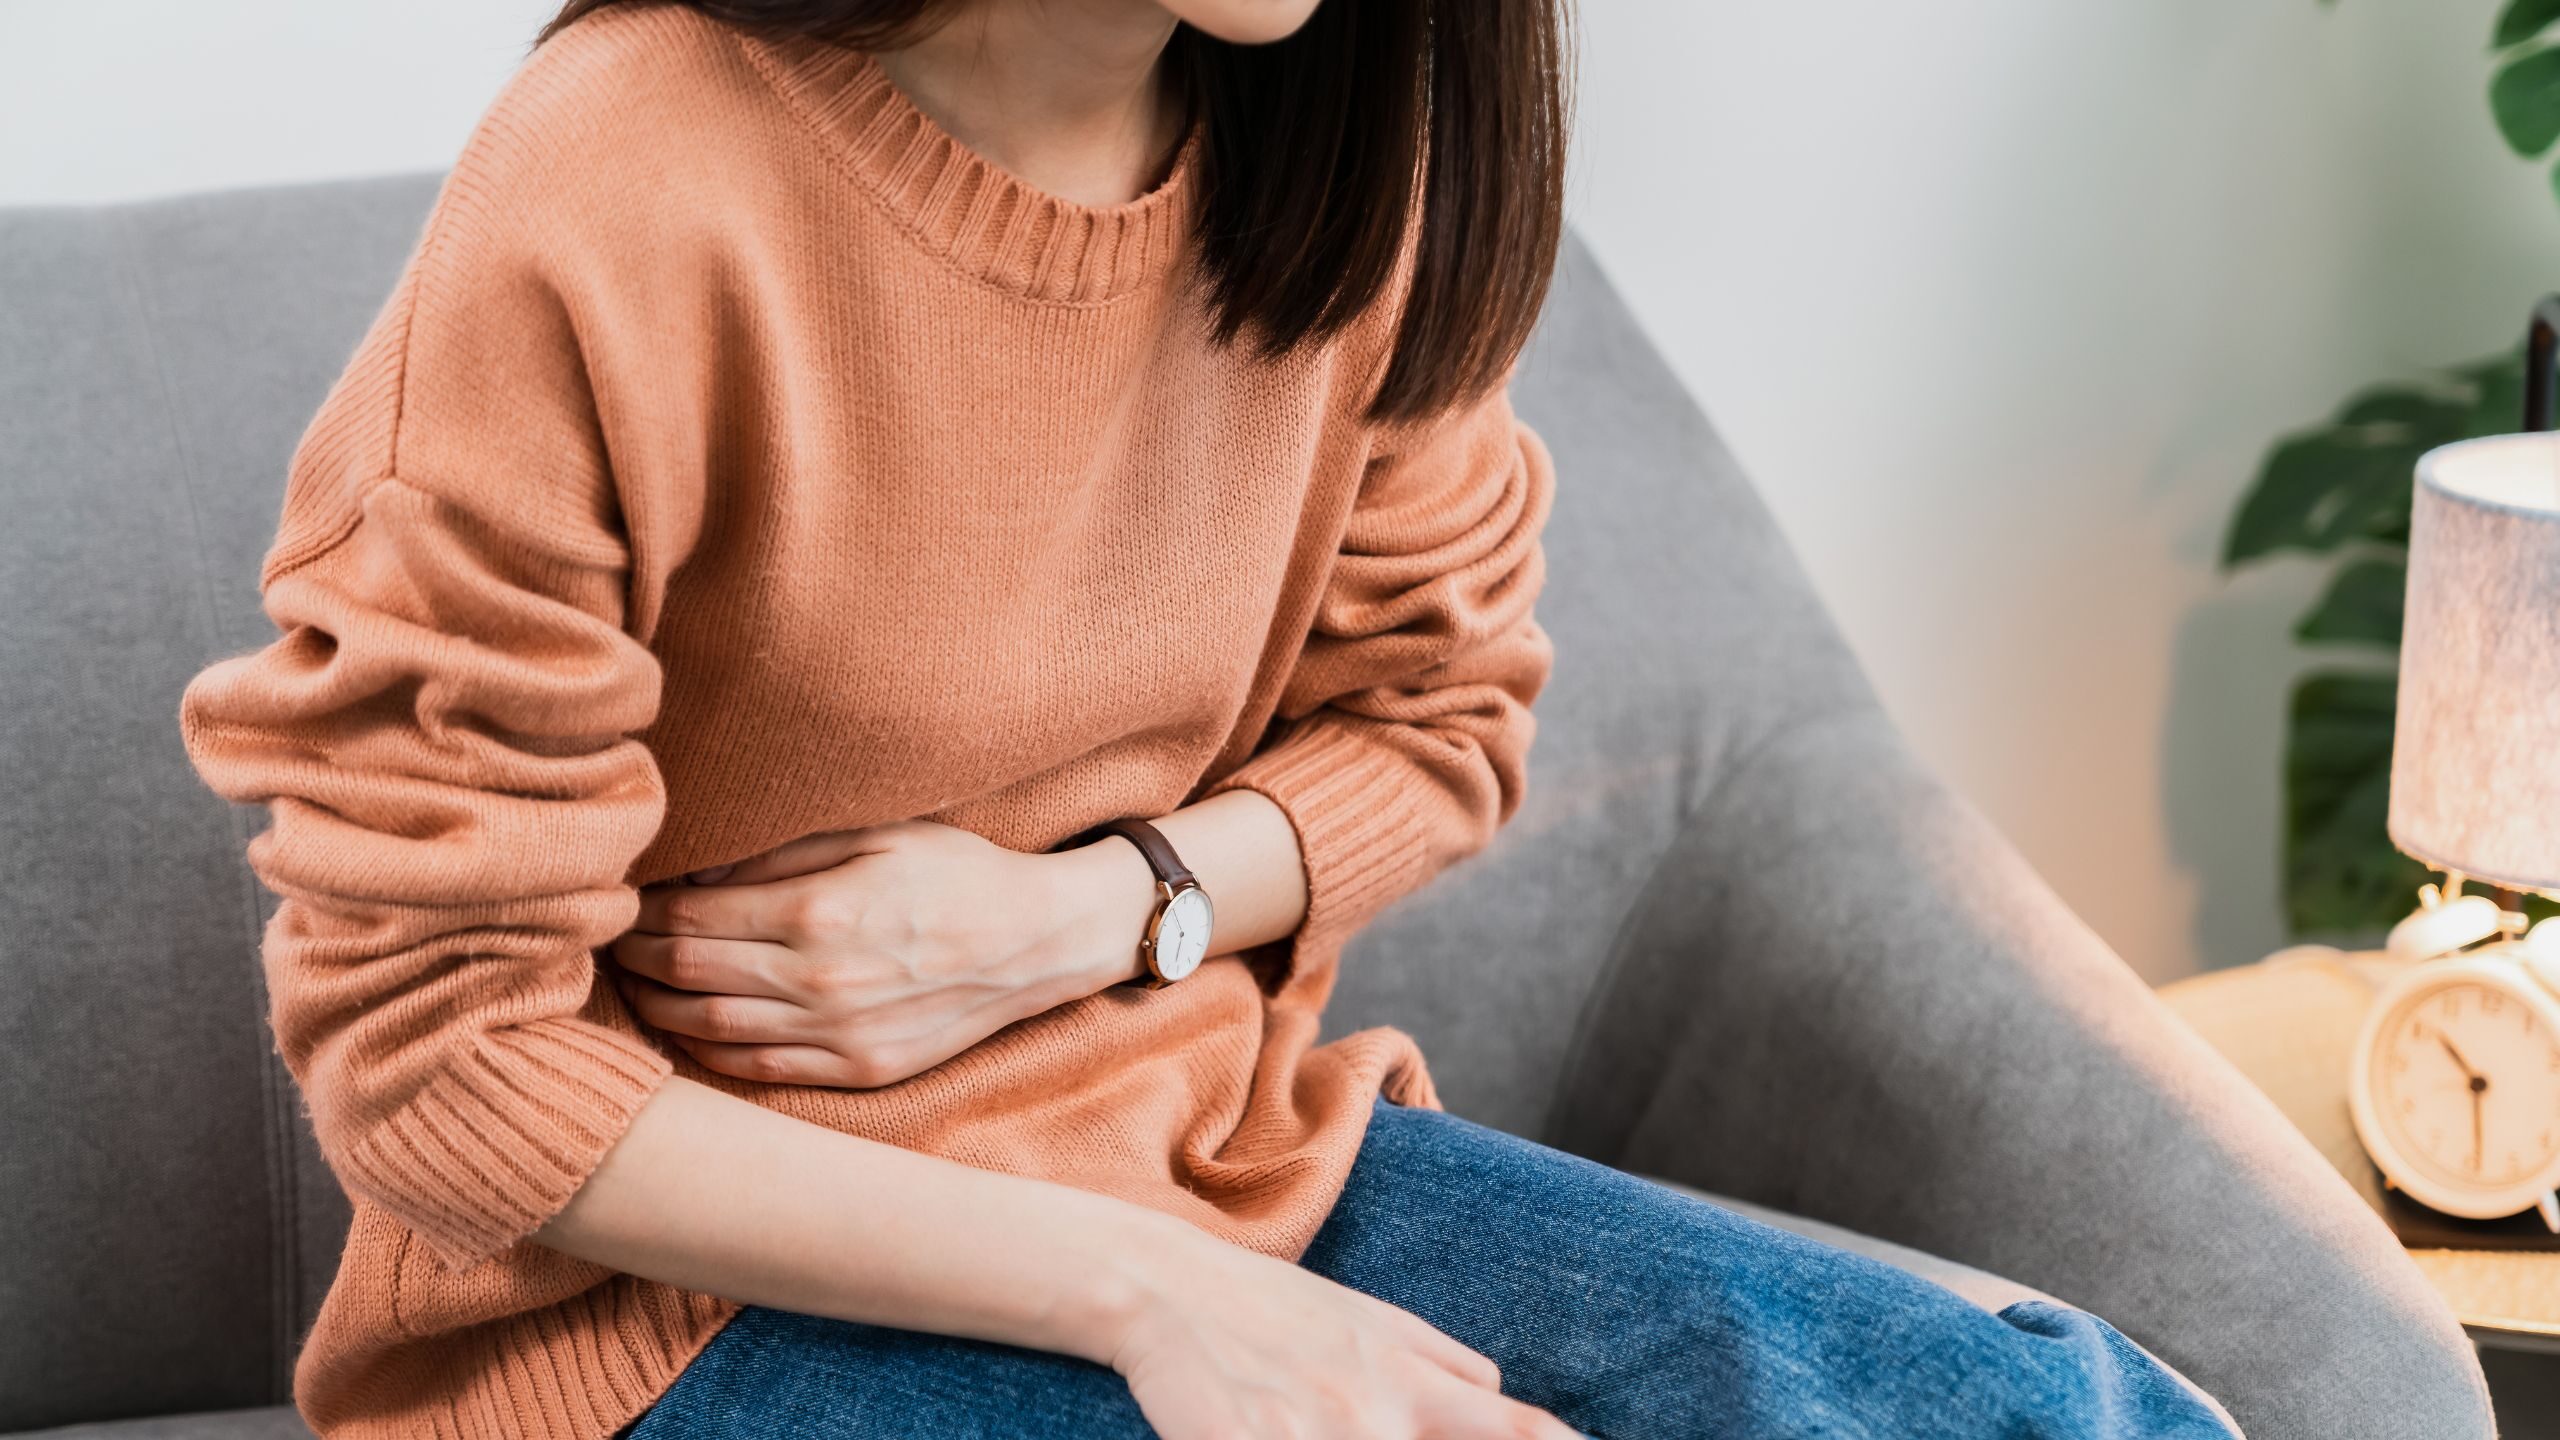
1124	1284
1102	895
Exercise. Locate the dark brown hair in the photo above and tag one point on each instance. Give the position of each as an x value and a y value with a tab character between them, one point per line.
1320	150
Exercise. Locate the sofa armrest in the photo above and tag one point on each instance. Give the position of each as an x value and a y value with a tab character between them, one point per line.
1845	995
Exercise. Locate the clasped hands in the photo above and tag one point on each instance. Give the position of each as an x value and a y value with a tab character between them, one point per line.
857	958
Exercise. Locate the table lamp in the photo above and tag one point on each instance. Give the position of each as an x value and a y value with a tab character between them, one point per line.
2475	757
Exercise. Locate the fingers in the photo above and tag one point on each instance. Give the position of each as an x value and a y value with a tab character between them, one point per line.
774	1064
720	967
1528	1422
727	1019
1476	1408
768	911
1437	1346
1466	1364
1467	1413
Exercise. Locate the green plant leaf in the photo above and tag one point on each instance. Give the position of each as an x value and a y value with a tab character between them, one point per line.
2362	606
2497	394
2521	20
2342	874
2350	479
2435	409
2472	370
2525	98
2322	488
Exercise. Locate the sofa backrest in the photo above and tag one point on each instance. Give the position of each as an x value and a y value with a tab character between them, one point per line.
166	1225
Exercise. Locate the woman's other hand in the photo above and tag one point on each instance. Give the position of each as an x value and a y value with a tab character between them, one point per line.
857	958
1219	1341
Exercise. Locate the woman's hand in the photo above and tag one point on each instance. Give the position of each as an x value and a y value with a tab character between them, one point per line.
857	958
1230	1343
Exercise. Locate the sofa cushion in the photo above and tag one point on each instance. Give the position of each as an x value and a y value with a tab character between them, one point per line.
276	1422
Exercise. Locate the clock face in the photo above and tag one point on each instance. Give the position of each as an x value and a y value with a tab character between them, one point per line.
1182	939
2464	1083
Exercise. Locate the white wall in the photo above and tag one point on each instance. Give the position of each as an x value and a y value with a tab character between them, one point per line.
2000	300
146	97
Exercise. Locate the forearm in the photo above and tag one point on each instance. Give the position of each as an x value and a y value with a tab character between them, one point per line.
714	1194
1240	845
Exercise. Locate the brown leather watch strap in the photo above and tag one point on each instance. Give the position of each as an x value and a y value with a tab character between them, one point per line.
1152	844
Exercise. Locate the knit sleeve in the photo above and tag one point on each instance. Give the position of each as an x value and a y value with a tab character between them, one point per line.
442	731
1402	734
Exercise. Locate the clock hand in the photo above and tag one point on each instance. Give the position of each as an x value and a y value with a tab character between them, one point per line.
2479	1088
2467	1072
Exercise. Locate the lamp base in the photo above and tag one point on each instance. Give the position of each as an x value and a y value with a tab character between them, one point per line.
2447	921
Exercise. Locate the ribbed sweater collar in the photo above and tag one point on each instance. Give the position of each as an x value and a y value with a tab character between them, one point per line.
958	204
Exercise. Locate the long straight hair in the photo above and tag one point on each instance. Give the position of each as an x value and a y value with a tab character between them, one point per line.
1321	151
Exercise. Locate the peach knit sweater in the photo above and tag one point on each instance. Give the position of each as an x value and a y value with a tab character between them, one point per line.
737	457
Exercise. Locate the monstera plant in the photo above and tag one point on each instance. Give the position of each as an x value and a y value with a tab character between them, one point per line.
2341	490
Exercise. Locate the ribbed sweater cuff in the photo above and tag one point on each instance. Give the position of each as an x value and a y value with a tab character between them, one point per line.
496	1144
1362	829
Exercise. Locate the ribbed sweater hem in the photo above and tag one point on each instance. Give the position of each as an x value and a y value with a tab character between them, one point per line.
497	1145
1361	848
577	1370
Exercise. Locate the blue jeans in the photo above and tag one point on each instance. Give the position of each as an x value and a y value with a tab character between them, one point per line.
1627	1309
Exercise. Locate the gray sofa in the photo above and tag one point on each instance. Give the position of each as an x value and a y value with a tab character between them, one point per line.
1737	937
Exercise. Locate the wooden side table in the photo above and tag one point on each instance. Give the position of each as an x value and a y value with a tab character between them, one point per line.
2289	1023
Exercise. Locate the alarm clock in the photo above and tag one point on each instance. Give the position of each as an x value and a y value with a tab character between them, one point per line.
2455	1086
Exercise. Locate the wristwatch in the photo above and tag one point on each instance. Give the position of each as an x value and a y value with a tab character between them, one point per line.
1178	932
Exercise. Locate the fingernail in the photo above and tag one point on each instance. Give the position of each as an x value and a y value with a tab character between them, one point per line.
711	876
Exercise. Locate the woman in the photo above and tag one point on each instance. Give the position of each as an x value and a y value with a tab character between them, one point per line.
821	461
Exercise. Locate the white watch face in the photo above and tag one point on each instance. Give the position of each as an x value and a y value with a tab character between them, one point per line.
1182	938
2464	1088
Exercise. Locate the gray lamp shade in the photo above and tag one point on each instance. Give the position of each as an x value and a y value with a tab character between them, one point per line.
2475	759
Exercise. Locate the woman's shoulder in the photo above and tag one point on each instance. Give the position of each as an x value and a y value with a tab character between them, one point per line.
598	188
627	113
642	67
